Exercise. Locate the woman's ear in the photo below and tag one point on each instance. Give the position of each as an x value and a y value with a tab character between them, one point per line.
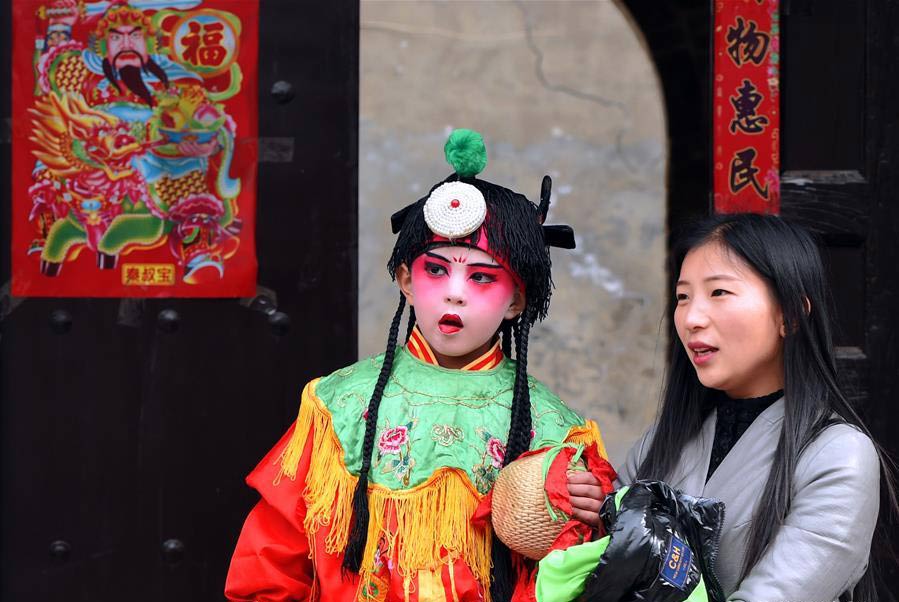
808	311
519	300
404	281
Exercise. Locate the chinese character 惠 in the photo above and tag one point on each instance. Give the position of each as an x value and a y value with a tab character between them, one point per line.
746	44
743	173
745	104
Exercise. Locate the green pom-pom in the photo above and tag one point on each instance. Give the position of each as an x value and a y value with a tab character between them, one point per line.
466	152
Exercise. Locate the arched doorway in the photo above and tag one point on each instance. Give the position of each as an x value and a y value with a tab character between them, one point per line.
566	89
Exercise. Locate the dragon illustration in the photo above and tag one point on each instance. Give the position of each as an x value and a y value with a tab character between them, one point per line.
86	164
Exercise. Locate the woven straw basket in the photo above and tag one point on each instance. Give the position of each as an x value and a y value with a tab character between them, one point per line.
519	509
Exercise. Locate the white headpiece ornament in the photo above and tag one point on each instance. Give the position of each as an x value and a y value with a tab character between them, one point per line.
455	210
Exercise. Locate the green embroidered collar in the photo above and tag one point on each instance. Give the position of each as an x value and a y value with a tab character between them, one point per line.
432	417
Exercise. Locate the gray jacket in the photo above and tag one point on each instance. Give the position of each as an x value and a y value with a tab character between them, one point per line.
822	548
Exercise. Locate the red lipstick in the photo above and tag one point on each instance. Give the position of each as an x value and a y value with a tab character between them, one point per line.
450	324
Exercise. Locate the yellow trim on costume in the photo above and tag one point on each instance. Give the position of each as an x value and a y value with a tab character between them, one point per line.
430	586
432	519
451	568
419	348
493	363
587	434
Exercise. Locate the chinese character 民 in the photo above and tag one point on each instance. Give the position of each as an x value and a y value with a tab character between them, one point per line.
743	173
746	44
745	104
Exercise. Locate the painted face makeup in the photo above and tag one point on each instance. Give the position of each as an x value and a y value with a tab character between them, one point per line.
461	296
729	324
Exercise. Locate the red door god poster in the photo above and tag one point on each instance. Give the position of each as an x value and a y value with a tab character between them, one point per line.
134	148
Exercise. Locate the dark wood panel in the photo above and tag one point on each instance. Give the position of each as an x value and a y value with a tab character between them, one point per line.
882	299
69	448
846	270
212	395
678	36
839	214
823	82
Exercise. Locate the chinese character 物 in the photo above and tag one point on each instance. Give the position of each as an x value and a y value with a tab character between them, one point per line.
746	44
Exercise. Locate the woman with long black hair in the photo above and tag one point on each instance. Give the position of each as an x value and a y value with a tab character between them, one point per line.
752	415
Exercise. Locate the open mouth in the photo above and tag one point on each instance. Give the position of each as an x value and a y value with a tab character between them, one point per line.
450	323
702	353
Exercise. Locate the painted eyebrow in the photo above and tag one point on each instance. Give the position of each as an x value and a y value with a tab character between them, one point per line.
436	256
711	278
472	265
485	265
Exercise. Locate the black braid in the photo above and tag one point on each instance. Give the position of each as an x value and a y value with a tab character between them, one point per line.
502	583
411	322
502	576
356	545
520	424
506	331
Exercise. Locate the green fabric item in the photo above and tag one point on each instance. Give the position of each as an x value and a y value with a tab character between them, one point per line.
465	151
432	417
699	593
562	575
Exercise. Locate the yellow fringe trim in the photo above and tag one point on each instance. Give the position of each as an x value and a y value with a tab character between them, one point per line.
587	434
431	518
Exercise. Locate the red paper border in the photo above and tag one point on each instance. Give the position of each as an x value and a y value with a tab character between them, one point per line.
746	137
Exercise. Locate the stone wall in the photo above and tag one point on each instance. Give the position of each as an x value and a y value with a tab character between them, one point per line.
564	88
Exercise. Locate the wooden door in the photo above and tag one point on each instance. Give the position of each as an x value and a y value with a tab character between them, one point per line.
128	426
840	128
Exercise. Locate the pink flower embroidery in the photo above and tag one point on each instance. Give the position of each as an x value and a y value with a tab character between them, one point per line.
393	439
497	452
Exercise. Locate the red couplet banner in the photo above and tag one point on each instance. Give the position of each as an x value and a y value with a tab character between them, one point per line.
134	148
746	114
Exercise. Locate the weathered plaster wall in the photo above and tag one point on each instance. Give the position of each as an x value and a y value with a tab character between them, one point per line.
563	88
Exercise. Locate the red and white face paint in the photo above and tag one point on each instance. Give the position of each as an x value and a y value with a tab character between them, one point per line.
461	296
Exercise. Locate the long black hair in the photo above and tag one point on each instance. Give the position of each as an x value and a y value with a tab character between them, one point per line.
787	258
514	229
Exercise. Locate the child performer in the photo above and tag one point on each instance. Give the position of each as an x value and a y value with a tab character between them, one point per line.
369	495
